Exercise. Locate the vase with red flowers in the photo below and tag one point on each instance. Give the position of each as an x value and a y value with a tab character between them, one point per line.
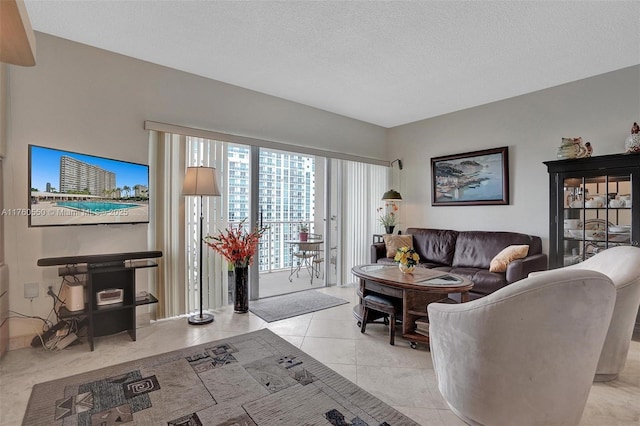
238	246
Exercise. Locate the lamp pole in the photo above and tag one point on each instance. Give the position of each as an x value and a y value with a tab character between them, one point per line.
200	181
201	318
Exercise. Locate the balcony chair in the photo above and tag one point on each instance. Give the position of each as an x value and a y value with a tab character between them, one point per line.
319	256
306	255
525	354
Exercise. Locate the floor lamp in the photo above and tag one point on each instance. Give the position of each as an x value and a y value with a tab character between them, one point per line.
200	181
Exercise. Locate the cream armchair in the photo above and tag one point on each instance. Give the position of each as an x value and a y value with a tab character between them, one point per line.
525	354
622	265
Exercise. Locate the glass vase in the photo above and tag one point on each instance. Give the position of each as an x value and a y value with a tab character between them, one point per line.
241	290
406	269
389	229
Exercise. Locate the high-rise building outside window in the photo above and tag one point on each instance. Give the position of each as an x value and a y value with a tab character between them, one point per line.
287	197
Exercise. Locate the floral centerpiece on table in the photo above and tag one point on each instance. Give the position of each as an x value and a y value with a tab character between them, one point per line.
407	259
236	244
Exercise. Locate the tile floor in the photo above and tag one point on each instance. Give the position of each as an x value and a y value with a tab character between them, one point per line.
398	375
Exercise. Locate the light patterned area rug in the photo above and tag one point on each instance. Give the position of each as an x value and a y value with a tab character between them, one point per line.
293	304
252	379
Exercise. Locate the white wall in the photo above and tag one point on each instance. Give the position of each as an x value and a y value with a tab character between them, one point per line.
84	99
600	109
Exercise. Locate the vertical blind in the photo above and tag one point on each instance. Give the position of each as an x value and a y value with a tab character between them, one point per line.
166	157
364	185
208	153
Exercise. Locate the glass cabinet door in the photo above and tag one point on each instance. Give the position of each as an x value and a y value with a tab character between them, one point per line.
597	214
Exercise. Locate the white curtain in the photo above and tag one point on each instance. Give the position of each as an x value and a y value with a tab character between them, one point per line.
167	159
209	153
364	185
175	221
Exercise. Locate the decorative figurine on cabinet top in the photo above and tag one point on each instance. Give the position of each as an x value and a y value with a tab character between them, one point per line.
632	144
573	148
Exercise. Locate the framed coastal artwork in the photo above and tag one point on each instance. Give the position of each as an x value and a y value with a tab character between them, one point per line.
471	179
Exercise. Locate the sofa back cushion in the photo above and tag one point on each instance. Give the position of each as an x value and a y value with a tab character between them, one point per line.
475	249
434	245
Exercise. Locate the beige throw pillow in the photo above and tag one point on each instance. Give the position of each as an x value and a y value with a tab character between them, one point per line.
394	242
506	256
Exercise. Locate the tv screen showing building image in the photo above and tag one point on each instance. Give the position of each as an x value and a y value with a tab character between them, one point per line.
68	188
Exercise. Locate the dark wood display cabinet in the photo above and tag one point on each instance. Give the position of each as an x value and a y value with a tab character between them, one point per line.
103	320
594	204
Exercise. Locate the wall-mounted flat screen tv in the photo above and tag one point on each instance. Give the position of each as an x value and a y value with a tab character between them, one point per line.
68	188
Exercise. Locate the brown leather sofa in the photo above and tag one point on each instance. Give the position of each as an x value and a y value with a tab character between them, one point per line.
469	253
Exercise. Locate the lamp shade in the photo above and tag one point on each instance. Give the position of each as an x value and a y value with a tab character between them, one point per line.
200	181
392	195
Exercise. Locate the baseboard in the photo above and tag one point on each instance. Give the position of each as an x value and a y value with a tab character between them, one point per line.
4	338
20	342
143	319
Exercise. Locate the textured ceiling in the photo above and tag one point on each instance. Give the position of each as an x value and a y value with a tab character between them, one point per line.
387	63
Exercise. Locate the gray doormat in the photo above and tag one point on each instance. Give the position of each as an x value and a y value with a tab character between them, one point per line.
256	378
293	304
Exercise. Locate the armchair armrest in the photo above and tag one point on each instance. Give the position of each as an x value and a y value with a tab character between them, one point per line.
520	268
378	251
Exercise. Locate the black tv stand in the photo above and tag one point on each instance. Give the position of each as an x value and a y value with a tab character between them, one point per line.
116	263
103	272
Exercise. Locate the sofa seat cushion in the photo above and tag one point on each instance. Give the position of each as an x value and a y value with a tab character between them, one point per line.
434	245
484	282
431	265
421	264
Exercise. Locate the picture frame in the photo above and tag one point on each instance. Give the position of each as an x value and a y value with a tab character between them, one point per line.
471	179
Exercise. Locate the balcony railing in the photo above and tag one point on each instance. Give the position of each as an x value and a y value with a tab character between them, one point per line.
273	254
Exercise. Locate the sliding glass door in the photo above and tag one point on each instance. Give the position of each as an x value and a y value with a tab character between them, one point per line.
290	203
335	201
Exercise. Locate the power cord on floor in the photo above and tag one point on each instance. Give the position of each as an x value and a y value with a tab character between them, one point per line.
61	334
47	325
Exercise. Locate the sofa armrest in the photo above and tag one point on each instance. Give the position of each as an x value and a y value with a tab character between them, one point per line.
378	251
520	268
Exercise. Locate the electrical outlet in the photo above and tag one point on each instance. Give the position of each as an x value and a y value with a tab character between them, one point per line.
31	290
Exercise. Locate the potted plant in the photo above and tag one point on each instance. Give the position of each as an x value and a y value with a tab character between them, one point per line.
303	231
388	220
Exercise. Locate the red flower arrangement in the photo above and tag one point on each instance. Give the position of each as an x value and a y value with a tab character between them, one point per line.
235	244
